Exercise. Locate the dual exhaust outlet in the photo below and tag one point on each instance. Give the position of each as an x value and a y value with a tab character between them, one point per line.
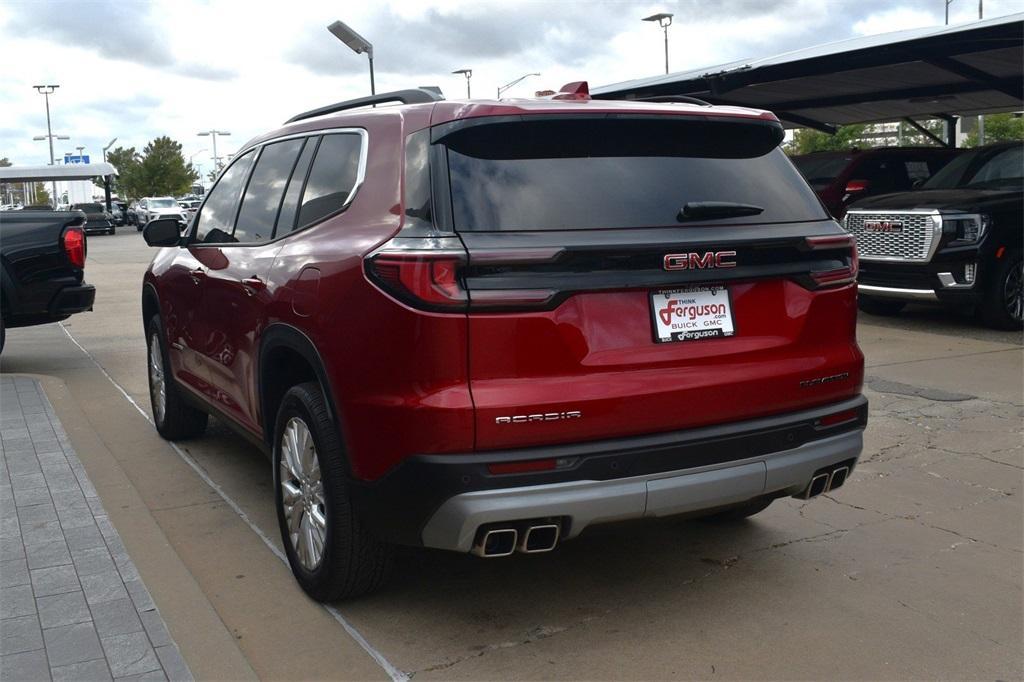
824	481
527	539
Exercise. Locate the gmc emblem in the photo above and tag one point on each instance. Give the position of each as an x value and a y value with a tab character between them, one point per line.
700	261
883	225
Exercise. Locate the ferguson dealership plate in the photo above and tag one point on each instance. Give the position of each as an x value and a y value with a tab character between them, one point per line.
691	313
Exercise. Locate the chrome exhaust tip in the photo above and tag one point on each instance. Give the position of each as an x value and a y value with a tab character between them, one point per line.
817	486
838	477
496	543
539	539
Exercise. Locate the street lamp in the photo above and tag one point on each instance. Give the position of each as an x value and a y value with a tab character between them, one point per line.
109	145
213	134
468	73
505	87
46	91
356	43
79	151
665	20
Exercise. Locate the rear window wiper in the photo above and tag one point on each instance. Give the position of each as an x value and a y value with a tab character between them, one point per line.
705	210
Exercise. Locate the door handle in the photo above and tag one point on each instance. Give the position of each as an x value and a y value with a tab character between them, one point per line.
195	274
253	284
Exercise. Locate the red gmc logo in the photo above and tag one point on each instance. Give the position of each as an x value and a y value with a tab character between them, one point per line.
883	225
700	261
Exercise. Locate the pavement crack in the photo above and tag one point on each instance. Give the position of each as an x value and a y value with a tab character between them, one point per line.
536	634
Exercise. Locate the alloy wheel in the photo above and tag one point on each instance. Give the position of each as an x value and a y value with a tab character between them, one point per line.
157	383
302	494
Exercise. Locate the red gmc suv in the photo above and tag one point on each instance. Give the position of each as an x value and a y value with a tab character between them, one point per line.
482	326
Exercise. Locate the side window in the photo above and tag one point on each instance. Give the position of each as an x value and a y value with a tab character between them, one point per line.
290	205
216	221
332	177
266	188
918	170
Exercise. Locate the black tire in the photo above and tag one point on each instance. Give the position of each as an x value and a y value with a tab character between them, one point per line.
177	420
1004	299
738	512
880	306
352	561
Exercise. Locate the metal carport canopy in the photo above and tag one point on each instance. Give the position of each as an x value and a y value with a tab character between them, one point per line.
76	171
975	68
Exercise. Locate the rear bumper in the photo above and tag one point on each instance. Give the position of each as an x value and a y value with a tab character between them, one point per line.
71	300
584	503
441	500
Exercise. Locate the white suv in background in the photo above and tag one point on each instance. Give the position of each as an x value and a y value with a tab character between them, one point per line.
151	208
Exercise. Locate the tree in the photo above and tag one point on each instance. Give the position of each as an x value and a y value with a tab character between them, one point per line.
42	194
806	140
126	183
163	170
159	170
998	128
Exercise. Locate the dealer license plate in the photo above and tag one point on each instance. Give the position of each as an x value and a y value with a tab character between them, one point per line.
691	313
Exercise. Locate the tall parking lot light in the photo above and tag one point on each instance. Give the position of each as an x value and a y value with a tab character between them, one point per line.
46	91
213	135
505	87
109	145
468	73
664	20
356	43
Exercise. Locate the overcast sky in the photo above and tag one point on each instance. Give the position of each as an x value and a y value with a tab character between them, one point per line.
137	70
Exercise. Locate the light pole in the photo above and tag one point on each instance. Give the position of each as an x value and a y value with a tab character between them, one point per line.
665	20
948	3
505	87
213	134
468	73
356	43
109	145
79	151
46	91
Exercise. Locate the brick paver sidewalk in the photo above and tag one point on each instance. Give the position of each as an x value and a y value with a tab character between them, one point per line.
72	604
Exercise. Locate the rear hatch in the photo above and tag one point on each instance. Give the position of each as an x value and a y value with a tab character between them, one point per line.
635	274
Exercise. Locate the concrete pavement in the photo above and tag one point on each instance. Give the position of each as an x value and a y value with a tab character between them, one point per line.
912	570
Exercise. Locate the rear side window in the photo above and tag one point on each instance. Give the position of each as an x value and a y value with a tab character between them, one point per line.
331	179
601	173
216	220
266	189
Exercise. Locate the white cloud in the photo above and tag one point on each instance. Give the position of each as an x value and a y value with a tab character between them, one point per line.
174	67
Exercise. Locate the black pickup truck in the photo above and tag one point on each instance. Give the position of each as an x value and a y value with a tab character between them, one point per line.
42	267
956	240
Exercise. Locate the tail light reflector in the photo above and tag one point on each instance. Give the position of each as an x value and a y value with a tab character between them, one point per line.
839	418
521	467
74	246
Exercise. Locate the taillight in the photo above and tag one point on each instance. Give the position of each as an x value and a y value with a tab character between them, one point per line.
74	246
847	272
423	272
839	417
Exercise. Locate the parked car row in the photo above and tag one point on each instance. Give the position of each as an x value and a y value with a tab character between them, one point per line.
941	225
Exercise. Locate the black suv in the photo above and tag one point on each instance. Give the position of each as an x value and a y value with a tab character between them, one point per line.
957	240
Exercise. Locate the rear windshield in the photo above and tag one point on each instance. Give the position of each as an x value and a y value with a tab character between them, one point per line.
89	208
163	203
600	173
820	171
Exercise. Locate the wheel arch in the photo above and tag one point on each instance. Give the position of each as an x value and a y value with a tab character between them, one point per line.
288	357
150	305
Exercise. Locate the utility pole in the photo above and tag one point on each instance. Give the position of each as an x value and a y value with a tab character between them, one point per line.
46	91
948	3
664	20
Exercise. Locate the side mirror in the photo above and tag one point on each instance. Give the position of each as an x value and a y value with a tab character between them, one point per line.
857	186
162	232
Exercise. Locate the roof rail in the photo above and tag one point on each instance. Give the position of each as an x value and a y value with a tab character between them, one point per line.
675	98
412	96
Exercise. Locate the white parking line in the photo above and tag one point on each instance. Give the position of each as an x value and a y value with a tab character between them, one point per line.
394	673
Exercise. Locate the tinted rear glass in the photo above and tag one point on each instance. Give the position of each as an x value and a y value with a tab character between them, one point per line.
89	208
332	177
266	187
600	173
